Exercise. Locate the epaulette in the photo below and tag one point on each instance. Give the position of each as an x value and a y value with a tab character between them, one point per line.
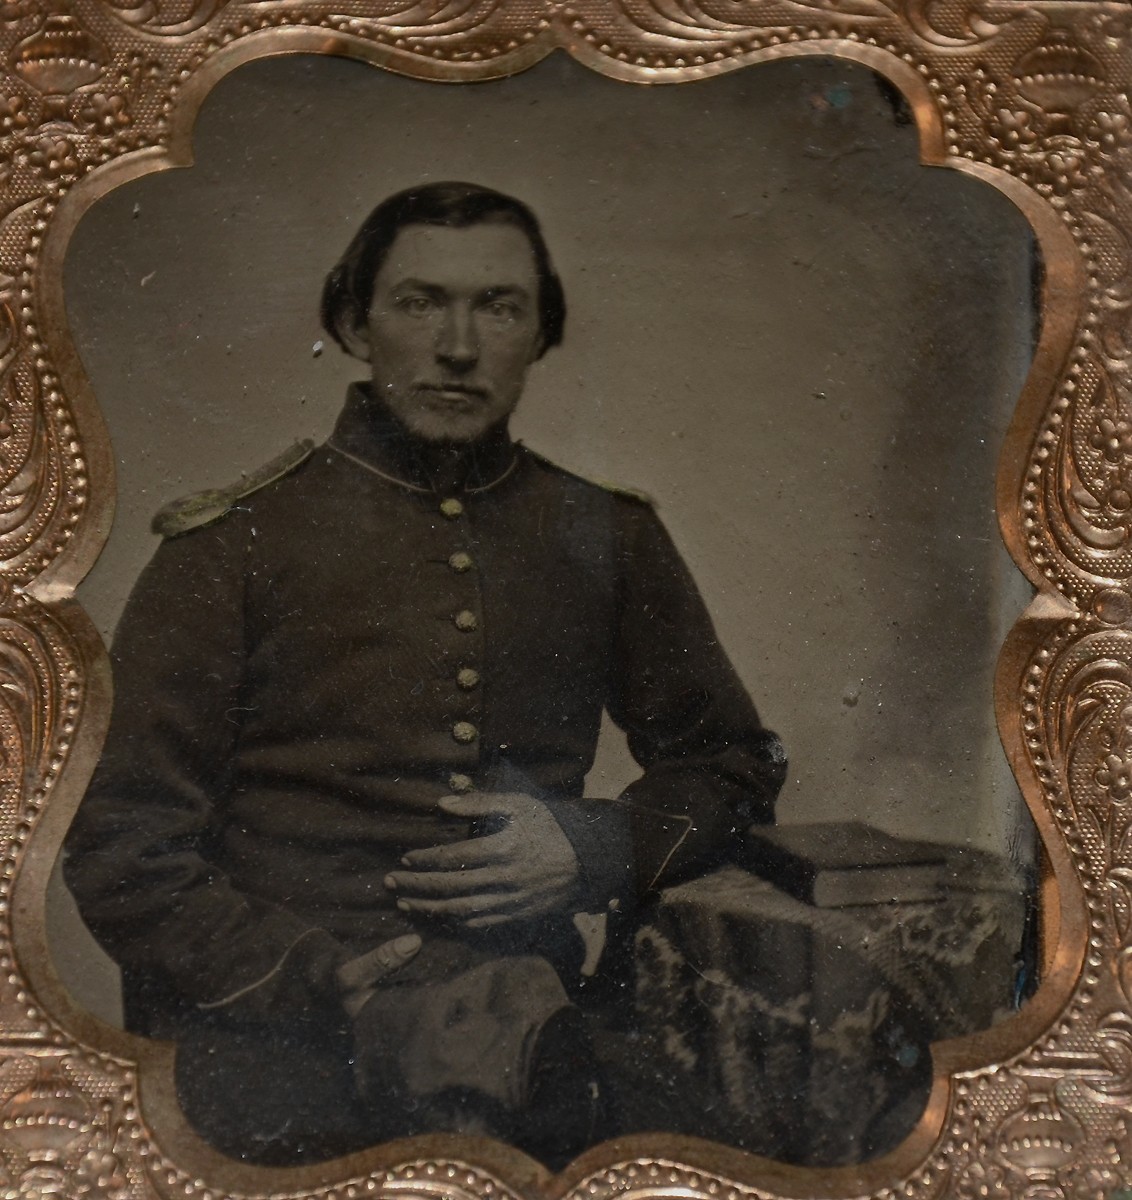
202	508
605	485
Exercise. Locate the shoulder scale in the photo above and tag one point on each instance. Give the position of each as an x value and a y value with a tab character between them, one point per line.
202	508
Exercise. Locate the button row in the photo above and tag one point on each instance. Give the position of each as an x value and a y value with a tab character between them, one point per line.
466	621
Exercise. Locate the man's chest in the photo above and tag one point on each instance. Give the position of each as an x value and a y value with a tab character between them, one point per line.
510	600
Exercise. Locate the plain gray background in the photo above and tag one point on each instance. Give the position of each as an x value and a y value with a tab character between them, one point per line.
802	343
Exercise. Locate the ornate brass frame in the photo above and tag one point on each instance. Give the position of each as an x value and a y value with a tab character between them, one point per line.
1025	94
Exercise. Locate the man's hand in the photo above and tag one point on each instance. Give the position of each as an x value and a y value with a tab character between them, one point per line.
524	868
359	978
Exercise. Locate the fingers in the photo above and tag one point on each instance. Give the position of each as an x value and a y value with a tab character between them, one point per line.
483	804
480	910
353	1002
369	969
359	978
461	856
443	884
490	920
460	908
391	956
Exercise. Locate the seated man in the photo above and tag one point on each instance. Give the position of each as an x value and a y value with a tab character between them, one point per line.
337	837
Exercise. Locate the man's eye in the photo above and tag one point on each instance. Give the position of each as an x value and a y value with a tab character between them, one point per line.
417	306
501	310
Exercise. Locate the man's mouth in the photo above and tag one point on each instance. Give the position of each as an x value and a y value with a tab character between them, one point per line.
456	395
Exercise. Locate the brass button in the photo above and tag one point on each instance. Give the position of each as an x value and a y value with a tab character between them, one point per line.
468	678
465	731
466	620
461	561
460	783
451	508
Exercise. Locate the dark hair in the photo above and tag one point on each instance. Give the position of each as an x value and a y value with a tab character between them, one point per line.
348	291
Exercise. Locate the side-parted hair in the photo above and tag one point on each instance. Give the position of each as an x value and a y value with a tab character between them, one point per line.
348	291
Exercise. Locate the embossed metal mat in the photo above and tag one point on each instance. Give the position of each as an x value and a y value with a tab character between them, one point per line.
1028	96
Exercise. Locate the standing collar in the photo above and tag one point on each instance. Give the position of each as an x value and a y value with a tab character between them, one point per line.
367	433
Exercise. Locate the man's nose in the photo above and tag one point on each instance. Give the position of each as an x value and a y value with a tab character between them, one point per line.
459	343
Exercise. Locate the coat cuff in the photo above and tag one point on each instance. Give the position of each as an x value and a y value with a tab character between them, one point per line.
302	982
600	833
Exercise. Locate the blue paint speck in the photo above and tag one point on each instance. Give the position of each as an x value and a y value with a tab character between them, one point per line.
839	96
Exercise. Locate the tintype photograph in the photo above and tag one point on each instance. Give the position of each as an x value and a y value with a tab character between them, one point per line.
554	601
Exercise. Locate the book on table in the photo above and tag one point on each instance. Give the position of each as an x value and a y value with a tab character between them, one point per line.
839	864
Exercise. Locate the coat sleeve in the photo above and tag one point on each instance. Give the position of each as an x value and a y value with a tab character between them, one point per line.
137	857
709	768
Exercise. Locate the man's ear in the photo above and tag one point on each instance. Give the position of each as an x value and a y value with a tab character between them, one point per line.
353	336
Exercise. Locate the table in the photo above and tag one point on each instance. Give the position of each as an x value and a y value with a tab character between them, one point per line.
799	1032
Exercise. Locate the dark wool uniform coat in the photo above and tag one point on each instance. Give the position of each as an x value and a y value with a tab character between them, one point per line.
299	683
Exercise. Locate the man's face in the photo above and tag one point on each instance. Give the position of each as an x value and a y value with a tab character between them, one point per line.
453	327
